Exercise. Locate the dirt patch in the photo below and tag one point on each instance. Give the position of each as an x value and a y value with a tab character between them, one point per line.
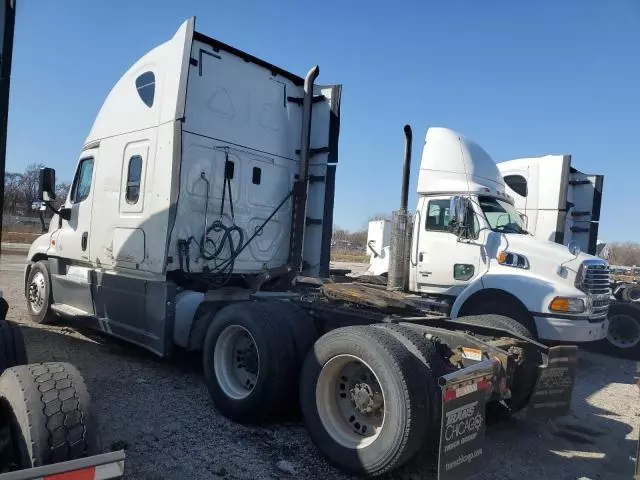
349	257
19	237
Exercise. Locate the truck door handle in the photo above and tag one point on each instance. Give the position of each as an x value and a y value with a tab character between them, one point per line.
83	242
420	257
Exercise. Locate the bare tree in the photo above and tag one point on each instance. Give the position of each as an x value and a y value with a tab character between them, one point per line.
22	189
624	254
30	183
12	193
62	190
380	216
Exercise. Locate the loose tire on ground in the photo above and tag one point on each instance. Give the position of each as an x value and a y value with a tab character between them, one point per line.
364	400
623	335
434	367
47	409
631	293
249	363
12	348
526	373
38	293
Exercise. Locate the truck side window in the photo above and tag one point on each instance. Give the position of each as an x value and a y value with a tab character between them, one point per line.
82	181
134	172
438	215
146	86
517	183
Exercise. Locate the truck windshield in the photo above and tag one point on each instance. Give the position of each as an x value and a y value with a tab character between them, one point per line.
501	216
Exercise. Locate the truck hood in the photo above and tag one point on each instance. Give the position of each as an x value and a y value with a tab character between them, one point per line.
546	258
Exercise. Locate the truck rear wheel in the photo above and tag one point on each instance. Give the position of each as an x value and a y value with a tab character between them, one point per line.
46	409
623	335
434	367
12	348
364	400
38	292
302	329
249	363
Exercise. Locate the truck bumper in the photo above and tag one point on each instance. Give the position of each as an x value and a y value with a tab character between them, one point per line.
571	330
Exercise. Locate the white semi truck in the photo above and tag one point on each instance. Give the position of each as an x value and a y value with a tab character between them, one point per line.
560	203
491	263
200	217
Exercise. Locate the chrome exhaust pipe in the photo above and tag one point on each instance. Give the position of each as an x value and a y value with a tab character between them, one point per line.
300	186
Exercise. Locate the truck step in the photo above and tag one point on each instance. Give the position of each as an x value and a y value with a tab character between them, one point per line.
69	311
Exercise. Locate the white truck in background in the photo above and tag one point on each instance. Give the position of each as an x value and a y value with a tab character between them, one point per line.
560	203
200	217
490	262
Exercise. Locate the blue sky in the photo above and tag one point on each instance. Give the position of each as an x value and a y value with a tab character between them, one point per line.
520	78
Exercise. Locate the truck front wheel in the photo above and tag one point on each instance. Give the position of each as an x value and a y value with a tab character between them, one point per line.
506	309
38	292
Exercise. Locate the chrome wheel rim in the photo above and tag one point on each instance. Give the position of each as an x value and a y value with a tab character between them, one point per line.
350	401
624	331
236	362
36	292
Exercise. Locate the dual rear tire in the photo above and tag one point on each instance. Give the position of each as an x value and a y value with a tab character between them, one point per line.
365	392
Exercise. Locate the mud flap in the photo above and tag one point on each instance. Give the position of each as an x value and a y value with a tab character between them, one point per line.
637	470
551	396
462	428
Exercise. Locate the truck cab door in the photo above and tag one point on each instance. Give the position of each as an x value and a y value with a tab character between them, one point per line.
73	239
444	264
72	285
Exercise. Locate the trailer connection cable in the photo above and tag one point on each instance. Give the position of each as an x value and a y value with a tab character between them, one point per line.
219	275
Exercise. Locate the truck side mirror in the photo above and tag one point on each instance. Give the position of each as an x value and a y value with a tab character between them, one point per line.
47	184
458	208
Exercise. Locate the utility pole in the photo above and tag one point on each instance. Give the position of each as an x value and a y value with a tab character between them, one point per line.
7	19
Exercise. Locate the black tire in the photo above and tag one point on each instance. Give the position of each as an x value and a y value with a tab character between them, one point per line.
434	367
618	341
406	405
302	329
526	373
631	293
505	309
275	380
12	347
44	314
48	410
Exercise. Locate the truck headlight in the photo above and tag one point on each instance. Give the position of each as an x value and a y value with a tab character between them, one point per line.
567	305
510	259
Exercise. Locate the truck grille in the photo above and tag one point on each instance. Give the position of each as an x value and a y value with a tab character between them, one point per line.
594	280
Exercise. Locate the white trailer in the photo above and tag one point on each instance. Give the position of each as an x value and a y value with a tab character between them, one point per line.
200	217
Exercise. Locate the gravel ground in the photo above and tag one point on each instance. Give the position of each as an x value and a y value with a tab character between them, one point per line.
161	414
